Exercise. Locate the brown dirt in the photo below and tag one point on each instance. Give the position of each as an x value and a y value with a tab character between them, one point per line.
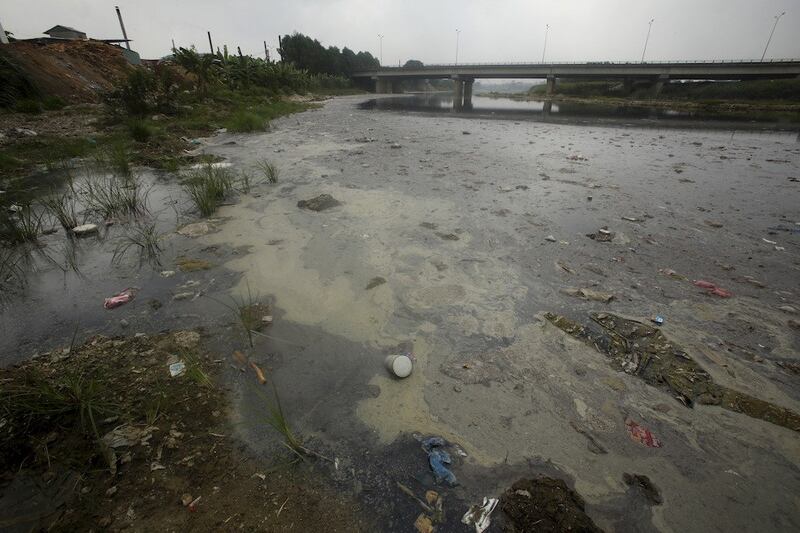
76	71
544	504
74	121
56	475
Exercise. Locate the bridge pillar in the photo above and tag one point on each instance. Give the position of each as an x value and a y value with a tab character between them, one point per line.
551	84
468	93
547	107
659	84
458	94
627	86
396	86
382	86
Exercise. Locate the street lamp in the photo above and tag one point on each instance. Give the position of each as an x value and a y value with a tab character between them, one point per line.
458	32
649	27
546	29
380	37
777	18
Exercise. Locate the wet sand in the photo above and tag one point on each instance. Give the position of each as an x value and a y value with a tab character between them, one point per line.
467	291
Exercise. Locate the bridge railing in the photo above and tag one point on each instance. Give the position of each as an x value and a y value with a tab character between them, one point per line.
590	63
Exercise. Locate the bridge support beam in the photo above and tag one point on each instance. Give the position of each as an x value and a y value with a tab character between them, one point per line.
383	86
551	84
627	85
396	86
659	84
468	93
458	94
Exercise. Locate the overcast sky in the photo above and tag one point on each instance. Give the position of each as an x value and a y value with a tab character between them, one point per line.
491	30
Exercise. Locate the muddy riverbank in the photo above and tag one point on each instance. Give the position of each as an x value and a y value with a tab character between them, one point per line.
478	228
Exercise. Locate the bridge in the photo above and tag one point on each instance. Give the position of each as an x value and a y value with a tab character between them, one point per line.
387	79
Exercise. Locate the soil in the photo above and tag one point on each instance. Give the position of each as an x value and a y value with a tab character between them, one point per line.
76	71
167	460
544	504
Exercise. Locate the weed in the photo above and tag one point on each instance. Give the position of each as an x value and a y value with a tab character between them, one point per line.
63	207
140	130
145	239
194	369
245	182
276	418
120	160
269	169
53	103
246	122
110	196
27	105
248	312
208	186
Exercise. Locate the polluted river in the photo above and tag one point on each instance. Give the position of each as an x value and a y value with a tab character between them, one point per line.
610	300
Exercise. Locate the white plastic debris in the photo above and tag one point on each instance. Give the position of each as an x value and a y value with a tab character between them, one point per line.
478	515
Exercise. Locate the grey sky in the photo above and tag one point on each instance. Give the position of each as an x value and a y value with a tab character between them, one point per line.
491	30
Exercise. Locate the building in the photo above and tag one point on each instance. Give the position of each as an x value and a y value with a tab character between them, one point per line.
65	32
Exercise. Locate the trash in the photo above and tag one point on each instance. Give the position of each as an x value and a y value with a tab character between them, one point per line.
478	515
632	219
431	496
646	486
768	241
712	289
590	294
120	299
602	235
410	492
195	229
550	238
319	203
259	373
167	273
713	224
577	157
658	319
438	458
423	524
396	145
642	435
177	369
186	499
192	506
642	350
400	365
84	229
671	274
564	267
183	296
374	282
545	504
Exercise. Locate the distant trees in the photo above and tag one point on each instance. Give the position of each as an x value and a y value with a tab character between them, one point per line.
309	54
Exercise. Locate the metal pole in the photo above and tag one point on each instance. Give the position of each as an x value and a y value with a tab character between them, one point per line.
546	29
458	32
649	27
210	44
380	60
122	25
266	51
173	45
777	18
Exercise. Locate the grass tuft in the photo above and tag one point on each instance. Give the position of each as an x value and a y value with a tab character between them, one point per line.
269	170
207	187
145	239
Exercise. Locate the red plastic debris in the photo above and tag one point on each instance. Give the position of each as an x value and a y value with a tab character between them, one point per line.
712	289
120	299
642	435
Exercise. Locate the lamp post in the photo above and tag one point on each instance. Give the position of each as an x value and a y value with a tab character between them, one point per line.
649	27
777	18
380	38
458	32
544	50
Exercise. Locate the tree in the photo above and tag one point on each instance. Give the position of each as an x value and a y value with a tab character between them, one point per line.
309	54
203	66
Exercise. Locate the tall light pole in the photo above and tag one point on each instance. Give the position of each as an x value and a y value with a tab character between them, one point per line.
380	38
649	27
544	50
458	32
777	18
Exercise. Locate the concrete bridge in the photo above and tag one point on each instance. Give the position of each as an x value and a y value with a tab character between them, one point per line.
387	79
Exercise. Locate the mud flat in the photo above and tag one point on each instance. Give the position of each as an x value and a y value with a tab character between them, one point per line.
479	229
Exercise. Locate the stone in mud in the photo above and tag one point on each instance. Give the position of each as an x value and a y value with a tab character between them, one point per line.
319	203
186	264
447	236
186	339
196	229
590	294
643	485
428	225
644	351
374	282
545	504
84	229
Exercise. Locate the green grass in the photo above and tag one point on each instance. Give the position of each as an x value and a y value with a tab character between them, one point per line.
112	196
140	130
28	105
63	206
146	240
269	170
207	187
246	122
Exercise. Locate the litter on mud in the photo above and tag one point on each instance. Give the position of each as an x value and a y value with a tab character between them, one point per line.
478	516
120	299
439	459
642	435
712	289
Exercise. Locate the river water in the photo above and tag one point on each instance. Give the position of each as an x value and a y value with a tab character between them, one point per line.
478	225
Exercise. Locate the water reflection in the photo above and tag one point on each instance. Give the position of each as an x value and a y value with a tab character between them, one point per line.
567	112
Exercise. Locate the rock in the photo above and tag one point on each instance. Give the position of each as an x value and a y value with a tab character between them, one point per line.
183	296
186	264
84	229
124	323
590	294
197	229
396	146
466	133
319	203
788	309
186	339
167	273
447	236
266	319
186	499
110	492
374	282
21	132
645	486
550	238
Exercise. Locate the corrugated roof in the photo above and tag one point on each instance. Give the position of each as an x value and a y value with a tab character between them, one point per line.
59	27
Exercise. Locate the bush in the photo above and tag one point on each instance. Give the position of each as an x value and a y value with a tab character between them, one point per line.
140	130
246	121
137	94
53	103
33	107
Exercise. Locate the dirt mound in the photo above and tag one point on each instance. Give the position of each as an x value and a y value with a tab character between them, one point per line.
545	504
75	71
